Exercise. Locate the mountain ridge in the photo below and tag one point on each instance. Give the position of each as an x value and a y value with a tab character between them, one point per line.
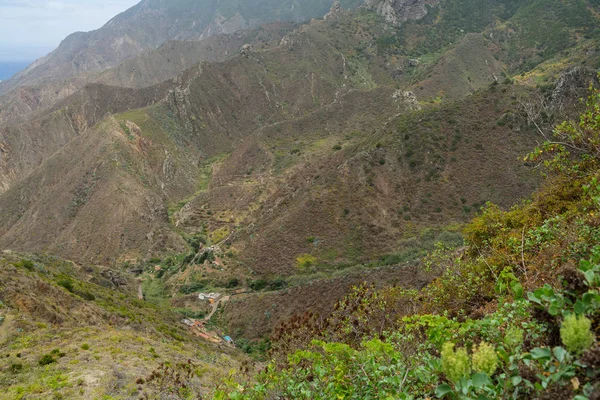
145	27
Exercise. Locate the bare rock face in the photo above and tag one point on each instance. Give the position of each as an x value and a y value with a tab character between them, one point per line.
246	49
572	85
398	11
222	25
407	99
335	11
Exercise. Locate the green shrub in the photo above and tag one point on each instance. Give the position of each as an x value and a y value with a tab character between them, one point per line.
305	261
485	359
154	290
15	368
233	282
258	284
153	352
58	353
277	284
576	333
186	312
455	364
27	264
576	143
514	337
86	295
67	284
85	346
193	287
46	359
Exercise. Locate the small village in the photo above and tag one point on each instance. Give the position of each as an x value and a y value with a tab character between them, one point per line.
199	328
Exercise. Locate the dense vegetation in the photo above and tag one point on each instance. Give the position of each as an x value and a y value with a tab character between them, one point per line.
515	316
529	32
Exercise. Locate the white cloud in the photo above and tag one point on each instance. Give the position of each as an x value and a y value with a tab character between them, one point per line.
30	28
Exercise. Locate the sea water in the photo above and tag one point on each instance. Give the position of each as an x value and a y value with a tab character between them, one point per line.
8	69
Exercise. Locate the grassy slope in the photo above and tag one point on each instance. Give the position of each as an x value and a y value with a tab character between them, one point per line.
109	338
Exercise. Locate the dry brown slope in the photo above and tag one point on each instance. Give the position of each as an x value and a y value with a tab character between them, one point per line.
255	316
26	145
284	134
348	190
88	202
153	153
148	69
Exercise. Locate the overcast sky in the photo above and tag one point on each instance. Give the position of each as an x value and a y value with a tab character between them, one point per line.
30	29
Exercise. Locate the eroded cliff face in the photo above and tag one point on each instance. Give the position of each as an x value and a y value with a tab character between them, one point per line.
399	11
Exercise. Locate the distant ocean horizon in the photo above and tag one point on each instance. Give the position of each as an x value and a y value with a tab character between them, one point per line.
10	68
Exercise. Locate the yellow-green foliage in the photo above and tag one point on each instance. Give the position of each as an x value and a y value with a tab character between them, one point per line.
513	337
577	143
509	253
576	333
455	364
485	359
305	261
219	235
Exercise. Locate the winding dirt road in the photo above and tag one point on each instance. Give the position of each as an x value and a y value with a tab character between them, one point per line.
215	307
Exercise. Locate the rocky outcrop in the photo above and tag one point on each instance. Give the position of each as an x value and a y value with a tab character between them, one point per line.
398	11
571	86
246	50
221	25
408	99
335	11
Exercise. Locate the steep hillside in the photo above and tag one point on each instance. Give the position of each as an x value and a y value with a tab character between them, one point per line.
365	192
147	69
195	111
23	148
380	201
239	152
515	314
77	331
278	167
163	149
174	56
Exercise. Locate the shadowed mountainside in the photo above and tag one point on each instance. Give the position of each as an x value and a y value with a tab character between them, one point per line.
151	23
